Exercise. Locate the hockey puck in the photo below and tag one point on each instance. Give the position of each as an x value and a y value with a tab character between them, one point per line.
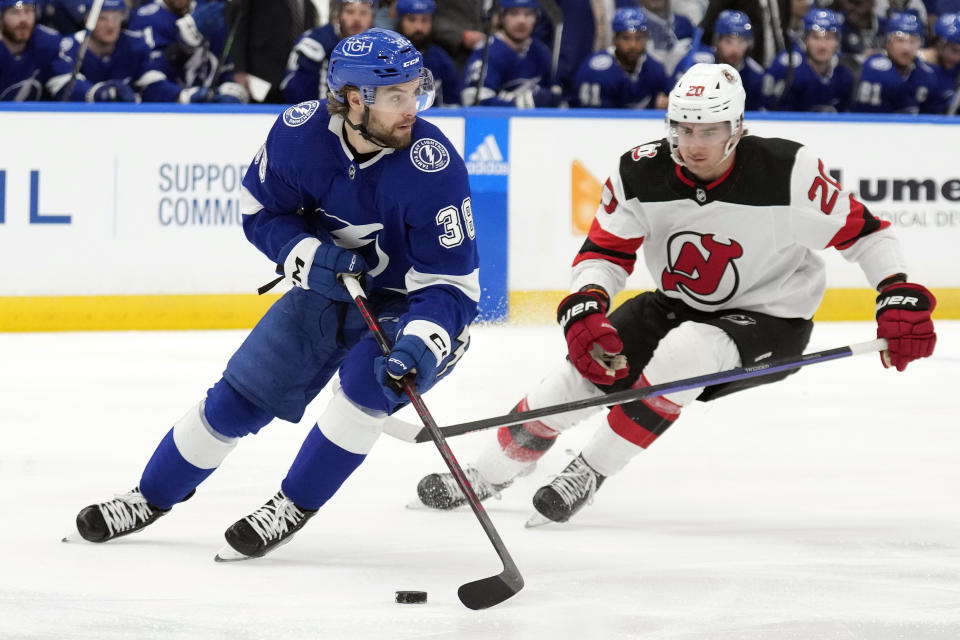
411	597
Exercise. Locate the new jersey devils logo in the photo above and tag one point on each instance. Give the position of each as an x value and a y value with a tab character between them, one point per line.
701	267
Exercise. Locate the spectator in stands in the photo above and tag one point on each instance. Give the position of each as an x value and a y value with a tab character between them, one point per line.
897	80
186	48
816	82
732	39
414	21
671	34
946	63
860	35
64	16
306	77
623	77
577	40
31	64
458	27
515	70
266	33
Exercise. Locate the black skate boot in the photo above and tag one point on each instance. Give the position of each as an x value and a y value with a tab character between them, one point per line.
566	494
441	491
125	514
264	530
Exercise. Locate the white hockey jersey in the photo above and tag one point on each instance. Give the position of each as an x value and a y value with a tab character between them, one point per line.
746	241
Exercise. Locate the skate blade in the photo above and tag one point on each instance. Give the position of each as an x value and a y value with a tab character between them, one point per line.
416	505
537	520
72	536
229	554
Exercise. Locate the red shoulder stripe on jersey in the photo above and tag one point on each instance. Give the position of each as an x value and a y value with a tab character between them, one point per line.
603	245
720	179
859	223
684	179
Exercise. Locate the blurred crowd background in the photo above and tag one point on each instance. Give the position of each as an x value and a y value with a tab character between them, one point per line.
894	56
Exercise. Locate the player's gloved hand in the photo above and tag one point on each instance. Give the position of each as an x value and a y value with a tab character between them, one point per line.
204	23
412	355
903	319
315	265
111	91
538	97
195	95
232	92
592	342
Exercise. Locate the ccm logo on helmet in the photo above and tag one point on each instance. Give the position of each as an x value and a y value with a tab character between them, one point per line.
356	47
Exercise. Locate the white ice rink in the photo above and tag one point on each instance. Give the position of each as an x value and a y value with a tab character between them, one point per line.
821	507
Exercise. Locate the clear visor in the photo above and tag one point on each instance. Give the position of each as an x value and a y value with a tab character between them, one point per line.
700	134
410	97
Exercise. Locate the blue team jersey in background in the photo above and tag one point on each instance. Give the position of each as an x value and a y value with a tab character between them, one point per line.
602	82
508	72
26	76
882	88
407	212
808	90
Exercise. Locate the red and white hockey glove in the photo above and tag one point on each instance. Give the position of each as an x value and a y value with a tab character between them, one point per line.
593	343
903	319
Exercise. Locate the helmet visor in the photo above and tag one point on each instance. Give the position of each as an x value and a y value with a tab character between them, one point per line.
411	97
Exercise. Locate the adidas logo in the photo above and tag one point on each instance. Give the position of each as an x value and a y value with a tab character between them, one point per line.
487	159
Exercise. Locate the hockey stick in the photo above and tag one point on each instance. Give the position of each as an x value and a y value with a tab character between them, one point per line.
227	46
555	15
410	432
485	592
485	56
88	27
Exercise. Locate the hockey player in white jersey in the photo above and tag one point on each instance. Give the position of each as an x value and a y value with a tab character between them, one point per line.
730	226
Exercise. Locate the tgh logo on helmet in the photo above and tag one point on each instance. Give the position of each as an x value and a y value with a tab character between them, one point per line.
355	47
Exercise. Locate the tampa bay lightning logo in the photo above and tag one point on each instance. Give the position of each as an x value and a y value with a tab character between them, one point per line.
300	113
429	155
354	236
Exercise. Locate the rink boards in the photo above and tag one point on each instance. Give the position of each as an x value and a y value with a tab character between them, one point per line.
128	217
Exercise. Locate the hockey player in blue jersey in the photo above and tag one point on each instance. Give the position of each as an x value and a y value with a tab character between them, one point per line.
306	77
623	77
818	81
897	80
117	63
32	61
187	39
946	63
732	38
355	185
414	21
517	72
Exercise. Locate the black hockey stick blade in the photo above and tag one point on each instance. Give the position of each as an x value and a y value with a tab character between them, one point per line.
487	592
629	395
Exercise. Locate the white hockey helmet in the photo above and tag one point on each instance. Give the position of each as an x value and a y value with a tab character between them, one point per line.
706	93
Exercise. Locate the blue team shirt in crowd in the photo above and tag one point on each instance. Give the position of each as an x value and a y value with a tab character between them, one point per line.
306	77
40	70
445	75
882	89
406	212
946	88
602	82
508	72
808	90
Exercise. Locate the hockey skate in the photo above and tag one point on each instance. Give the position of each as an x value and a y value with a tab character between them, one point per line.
126	513
441	491
566	494
264	530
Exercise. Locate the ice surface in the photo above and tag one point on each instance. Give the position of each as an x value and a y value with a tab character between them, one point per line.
821	507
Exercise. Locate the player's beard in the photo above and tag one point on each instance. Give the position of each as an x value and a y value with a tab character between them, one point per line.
419	39
19	34
389	136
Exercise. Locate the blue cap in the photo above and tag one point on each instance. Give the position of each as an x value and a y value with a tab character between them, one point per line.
405	7
733	23
7	4
629	19
822	20
948	27
906	23
519	4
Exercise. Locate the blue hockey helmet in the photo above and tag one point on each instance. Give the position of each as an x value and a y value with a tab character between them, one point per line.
906	23
733	23
372	3
948	27
822	21
519	4
405	7
629	19
114	5
377	58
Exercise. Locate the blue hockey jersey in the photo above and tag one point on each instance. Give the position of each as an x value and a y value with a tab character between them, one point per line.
130	63
445	75
40	70
808	90
306	77
882	89
601	82
407	212
509	73
750	72
947	80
